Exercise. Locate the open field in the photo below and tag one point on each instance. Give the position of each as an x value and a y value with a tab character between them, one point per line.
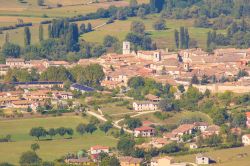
49	150
163	38
225	157
17	35
175	117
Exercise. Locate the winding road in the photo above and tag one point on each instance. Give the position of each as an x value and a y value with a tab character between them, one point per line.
116	123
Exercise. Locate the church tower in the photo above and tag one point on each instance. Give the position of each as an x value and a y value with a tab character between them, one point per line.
126	48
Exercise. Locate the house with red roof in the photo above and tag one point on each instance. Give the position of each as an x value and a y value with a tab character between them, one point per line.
248	119
96	150
144	131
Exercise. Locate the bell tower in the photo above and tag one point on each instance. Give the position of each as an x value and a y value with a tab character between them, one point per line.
126	48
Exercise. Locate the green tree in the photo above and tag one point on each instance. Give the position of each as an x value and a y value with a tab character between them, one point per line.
52	132
160	24
141	12
108	161
29	158
109	41
34	147
181	88
40	2
38	132
69	132
132	123
81	128
176	37
89	27
40	32
11	50
90	128
137	27
27	36
106	126
195	80
61	131
125	145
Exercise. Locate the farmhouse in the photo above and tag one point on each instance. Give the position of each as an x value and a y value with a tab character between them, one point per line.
159	142
246	139
248	119
145	106
15	62
78	161
130	161
202	126
144	131
201	159
161	161
98	149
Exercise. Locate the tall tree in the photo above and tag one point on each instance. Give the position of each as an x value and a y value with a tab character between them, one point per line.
187	38
182	37
40	32
176	37
27	36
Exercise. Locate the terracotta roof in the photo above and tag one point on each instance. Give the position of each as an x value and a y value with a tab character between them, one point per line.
200	123
130	160
248	114
99	147
183	128
144	128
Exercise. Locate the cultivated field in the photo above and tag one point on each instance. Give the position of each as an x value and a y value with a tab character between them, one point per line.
225	157
49	150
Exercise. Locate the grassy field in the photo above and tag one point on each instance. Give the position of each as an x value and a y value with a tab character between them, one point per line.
164	39
16	35
49	150
175	117
225	157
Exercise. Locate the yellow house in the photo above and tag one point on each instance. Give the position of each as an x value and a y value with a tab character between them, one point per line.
130	161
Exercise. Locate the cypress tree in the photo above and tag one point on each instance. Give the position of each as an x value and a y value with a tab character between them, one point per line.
41	32
186	38
208	39
82	28
50	31
176	36
27	36
89	27
182	37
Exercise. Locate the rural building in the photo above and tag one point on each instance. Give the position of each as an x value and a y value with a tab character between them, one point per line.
152	98
38	84
145	106
202	126
248	119
144	131
98	149
78	161
15	62
130	161
193	146
81	88
164	161
201	159
3	69
246	139
159	142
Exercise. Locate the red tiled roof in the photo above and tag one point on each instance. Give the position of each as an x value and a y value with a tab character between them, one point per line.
248	114
97	147
144	128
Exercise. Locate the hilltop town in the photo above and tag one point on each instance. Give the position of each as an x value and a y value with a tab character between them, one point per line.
124	83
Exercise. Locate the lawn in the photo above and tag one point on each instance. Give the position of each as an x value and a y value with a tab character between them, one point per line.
17	36
225	157
50	150
164	39
175	117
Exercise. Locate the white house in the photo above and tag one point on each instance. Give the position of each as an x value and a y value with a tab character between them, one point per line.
246	139
202	126
98	149
201	159
145	106
144	131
